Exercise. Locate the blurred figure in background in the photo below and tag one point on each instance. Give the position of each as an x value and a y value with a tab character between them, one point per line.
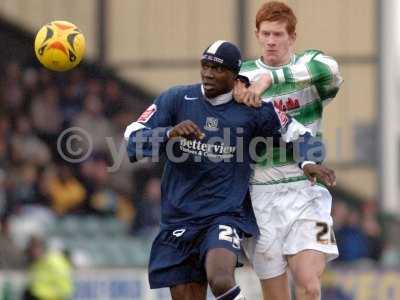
10	255
11	90
46	116
373	230
373	233
72	96
351	240
92	121
358	232
66	193
26	146
50	273
148	209
24	191
5	134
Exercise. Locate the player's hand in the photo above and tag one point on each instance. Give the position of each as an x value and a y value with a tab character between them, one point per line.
245	95
322	173
239	89
262	84
186	129
251	96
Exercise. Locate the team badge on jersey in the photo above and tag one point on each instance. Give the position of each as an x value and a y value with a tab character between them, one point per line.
147	114
211	124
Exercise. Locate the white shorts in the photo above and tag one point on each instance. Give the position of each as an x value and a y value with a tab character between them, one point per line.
292	217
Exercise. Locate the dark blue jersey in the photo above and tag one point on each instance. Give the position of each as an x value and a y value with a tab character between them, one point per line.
207	178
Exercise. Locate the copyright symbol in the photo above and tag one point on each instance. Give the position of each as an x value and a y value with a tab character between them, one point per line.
74	145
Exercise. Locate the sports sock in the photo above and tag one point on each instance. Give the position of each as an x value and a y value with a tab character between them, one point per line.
232	294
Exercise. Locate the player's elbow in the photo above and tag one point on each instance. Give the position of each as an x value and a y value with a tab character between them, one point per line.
334	66
337	78
136	148
136	155
333	75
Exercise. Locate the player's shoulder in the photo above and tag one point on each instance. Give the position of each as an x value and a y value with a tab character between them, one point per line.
248	65
307	55
179	91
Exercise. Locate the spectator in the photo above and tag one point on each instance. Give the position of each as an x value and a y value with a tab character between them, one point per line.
71	102
3	195
46	115
112	99
340	214
12	96
30	81
24	191
351	240
91	120
50	274
93	87
373	234
10	256
66	193
5	133
26	146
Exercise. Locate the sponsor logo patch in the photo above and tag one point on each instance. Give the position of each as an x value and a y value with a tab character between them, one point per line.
282	116
215	151
147	114
287	104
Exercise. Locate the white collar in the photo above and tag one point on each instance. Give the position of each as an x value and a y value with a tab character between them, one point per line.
264	65
221	99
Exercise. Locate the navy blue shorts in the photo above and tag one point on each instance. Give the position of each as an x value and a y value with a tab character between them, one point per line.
178	255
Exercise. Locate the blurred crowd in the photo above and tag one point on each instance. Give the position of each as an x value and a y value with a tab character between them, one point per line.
357	231
38	177
363	235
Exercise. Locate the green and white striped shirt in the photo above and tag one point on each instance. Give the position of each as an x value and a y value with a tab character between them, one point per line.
301	88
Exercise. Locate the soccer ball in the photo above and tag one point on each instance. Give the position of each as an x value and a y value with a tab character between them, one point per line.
59	45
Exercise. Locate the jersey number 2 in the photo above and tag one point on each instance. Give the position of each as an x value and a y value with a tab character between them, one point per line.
322	235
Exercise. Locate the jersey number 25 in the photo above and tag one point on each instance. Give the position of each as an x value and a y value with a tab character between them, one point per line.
229	234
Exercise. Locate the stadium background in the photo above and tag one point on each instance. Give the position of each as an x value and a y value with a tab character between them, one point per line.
106	216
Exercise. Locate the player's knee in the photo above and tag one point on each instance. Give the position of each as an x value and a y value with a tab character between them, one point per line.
220	283
313	290
310	287
178	294
189	291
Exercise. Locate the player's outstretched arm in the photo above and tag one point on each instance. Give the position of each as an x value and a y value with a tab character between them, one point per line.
147	136
146	142
317	68
250	95
314	67
273	121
